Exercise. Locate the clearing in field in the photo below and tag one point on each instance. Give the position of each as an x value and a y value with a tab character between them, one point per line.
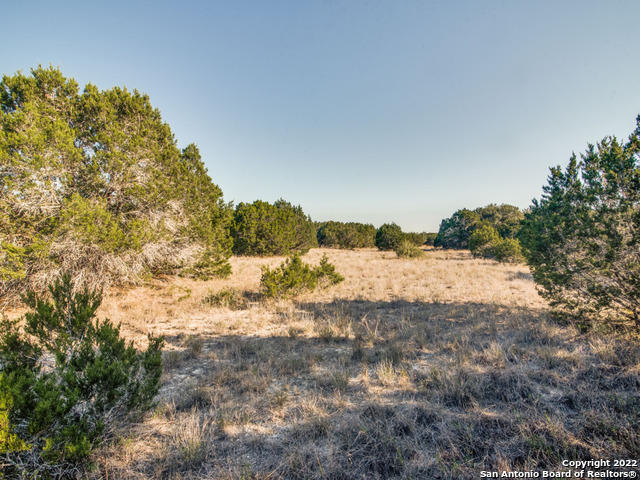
439	367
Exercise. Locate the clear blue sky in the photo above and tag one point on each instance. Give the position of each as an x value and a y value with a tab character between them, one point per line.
358	110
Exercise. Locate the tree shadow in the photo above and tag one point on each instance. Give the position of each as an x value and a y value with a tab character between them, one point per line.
404	389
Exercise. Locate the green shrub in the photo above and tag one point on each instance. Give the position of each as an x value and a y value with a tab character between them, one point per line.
407	249
483	240
346	235
508	250
389	237
66	381
486	242
294	277
581	238
261	228
456	231
326	273
416	238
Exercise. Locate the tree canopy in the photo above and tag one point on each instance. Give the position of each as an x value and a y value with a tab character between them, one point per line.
94	183
455	232
261	228
582	237
346	235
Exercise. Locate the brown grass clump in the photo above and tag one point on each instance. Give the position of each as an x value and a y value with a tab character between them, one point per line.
435	367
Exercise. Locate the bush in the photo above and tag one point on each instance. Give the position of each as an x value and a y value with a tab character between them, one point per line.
430	238
407	249
294	277
263	229
508	250
581	238
389	237
416	238
482	241
456	231
66	382
326	273
346	235
486	242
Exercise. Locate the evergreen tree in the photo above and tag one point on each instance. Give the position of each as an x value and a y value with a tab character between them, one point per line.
455	232
66	380
261	228
94	184
581	238
346	235
389	237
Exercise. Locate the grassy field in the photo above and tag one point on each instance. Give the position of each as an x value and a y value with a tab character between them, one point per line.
439	367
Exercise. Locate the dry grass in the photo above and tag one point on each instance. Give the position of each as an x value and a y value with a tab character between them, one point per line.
437	367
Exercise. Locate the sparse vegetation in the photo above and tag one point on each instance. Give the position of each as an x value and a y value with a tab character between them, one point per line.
431	369
227	298
437	368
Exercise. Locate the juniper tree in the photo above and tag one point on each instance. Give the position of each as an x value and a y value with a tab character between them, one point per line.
582	237
93	183
66	381
346	235
261	228
389	236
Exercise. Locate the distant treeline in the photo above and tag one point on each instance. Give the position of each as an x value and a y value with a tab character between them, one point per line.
93	183
364	235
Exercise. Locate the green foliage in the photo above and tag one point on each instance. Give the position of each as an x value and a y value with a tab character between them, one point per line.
93	183
455	232
66	381
389	237
11	261
486	242
508	250
294	277
326	273
291	278
581	238
9	441
346	235
430	238
408	249
264	229
416	238
482	241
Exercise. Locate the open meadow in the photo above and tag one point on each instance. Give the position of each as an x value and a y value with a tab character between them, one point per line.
439	367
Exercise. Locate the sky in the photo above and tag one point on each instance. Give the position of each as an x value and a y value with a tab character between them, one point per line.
374	111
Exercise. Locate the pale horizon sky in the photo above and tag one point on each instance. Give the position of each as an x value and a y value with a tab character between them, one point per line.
358	110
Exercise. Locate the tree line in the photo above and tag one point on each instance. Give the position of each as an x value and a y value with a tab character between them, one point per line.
93	183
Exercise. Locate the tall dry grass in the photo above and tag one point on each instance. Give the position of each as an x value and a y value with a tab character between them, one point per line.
437	367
